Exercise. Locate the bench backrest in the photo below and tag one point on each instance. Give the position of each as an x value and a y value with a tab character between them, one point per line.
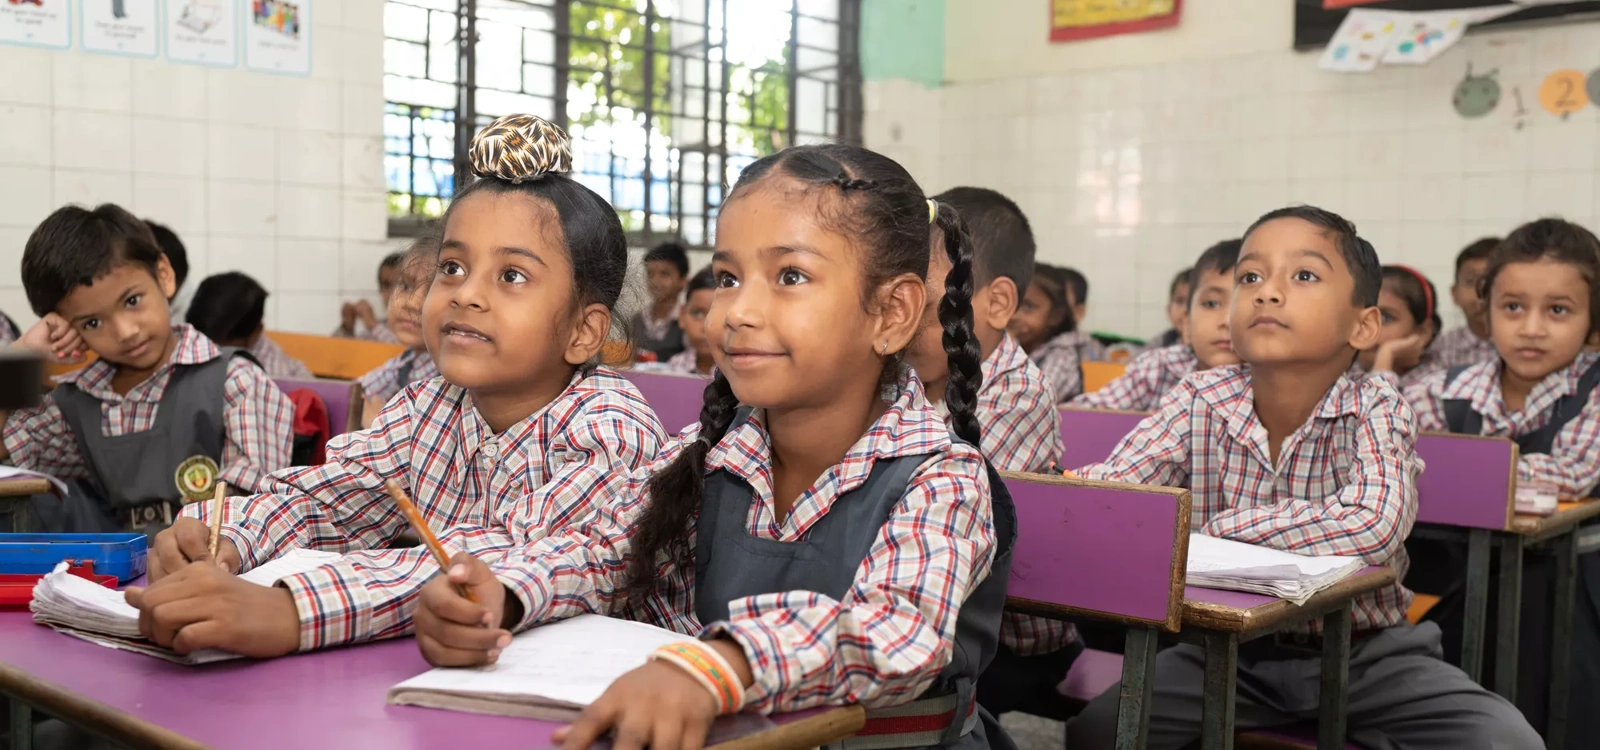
1469	480
1089	435
338	358
1099	549
1097	374
343	398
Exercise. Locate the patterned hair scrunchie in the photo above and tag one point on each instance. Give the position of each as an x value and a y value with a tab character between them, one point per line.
518	148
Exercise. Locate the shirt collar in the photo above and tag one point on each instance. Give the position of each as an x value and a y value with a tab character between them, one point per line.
1233	395
1005	358
192	348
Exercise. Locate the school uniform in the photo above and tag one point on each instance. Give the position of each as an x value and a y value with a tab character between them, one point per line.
1061	359
883	585
1460	346
401	370
276	361
485	493
204	414
1344	484
1148	377
1021	427
663	338
686	361
1558	433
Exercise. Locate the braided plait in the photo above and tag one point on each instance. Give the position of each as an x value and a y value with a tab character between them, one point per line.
675	494
955	315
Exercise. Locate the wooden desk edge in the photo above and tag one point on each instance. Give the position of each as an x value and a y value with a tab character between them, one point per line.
1529	525
24	487
1274	613
98	717
831	725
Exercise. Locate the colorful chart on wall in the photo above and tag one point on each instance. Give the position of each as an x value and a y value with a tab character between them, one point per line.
1361	41
277	36
121	27
36	23
1071	20
1562	93
203	32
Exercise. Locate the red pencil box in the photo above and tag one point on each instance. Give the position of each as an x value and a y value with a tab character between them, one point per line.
16	591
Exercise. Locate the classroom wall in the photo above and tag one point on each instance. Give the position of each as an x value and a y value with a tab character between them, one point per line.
277	176
1132	154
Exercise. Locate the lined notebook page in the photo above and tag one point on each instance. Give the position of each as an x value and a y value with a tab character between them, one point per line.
565	664
1227	564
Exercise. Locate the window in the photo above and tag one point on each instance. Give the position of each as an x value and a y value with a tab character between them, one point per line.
666	100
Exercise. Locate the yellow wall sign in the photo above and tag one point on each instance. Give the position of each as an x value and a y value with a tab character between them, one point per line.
1086	19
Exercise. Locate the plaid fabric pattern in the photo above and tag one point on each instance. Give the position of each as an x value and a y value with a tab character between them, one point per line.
484	493
684	362
1458	346
1573	464
257	423
385	382
882	644
1021	427
1148	377
1344	483
276	362
1061	361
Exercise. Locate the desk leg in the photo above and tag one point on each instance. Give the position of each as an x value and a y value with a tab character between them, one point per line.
1565	549
1138	678
1335	679
1509	618
1222	676
1472	628
21	725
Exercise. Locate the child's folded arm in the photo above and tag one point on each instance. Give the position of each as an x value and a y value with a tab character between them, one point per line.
1157	451
361	597
1370	516
38	439
258	427
339	506
1573	463
1422	395
894	630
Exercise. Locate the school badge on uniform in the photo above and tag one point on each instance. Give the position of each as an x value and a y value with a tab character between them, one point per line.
196	477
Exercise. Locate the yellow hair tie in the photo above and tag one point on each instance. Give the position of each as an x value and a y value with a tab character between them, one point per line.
933	212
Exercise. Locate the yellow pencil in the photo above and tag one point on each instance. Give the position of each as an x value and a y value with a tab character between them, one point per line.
216	517
423	532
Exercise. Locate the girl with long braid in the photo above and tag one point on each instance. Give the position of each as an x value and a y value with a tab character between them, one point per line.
821	534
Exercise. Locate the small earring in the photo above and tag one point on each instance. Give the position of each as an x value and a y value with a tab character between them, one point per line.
883	349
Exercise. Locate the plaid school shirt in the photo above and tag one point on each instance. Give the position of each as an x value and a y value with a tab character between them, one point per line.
257	421
1021	427
685	362
1573	463
1148	377
882	644
1459	346
1061	361
484	494
276	361
1345	482
391	377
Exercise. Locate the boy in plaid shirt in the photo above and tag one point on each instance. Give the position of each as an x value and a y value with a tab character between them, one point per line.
1287	451
1206	341
210	415
1468	344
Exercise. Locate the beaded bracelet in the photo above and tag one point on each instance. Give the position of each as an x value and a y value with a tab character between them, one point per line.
707	667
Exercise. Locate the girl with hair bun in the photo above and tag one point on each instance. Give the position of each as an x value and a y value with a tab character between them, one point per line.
820	535
521	437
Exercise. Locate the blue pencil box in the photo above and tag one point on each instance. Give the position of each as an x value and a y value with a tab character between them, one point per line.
121	555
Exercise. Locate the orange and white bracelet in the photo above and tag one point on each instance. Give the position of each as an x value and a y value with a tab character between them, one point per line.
708	668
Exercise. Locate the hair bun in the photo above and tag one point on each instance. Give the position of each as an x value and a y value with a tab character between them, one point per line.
518	148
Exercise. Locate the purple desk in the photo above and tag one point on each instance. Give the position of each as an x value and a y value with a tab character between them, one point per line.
675	398
327	699
1089	435
342	397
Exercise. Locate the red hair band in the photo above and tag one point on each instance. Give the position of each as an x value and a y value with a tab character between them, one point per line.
1427	289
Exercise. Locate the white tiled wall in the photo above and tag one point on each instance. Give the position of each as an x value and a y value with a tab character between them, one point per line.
280	177
1129	170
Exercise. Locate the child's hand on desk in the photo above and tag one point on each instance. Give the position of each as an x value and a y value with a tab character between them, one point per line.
185	542
658	705
203	606
455	632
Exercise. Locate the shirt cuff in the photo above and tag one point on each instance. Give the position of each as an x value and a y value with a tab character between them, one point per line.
333	608
530	592
761	695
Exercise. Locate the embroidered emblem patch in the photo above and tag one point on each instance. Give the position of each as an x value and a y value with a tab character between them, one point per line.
196	478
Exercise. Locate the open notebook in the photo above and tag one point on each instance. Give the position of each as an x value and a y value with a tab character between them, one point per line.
1236	566
80	608
550	672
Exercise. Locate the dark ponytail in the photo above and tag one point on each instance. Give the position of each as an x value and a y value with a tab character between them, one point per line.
871	200
955	315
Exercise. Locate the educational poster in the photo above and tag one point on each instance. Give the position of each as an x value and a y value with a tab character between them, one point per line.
120	27
1423	36
277	36
202	32
1563	93
36	23
1071	20
1361	41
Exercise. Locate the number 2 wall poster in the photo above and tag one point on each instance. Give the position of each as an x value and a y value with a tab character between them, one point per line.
36	23
277	36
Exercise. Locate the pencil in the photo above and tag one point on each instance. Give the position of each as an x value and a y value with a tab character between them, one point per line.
216	517
423	532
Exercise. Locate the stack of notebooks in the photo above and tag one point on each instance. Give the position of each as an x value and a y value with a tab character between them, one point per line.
82	609
1236	566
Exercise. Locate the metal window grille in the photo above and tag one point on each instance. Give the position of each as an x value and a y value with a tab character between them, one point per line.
666	100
